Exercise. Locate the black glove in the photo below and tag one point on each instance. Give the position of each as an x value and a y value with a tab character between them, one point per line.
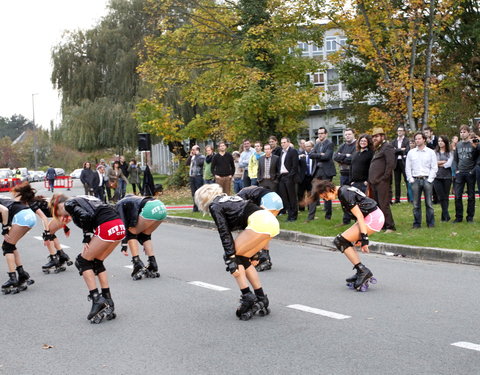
87	237
364	239
124	249
231	264
66	229
5	229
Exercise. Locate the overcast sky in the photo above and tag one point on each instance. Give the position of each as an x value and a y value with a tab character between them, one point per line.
28	31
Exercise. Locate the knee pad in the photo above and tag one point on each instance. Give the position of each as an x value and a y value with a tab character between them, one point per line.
244	261
8	248
142	237
341	243
52	237
129	236
83	265
98	266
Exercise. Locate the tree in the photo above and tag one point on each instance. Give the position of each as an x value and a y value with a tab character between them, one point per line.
396	42
14	126
96	73
233	65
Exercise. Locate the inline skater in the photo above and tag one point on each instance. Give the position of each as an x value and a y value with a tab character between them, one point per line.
141	216
369	218
268	200
102	232
17	220
258	225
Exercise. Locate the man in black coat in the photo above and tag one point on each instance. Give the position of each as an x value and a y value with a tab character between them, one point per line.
268	178
401	145
98	183
288	166
324	168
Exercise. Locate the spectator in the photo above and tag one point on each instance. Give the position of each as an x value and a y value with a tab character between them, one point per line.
288	165
360	165
401	146
453	147
223	168
380	176
465	155
238	175
98	183
268	172
443	180
324	166
432	140
86	177
208	177
343	157
421	168
123	183
195	161
306	167
276	149
107	183
253	163
134	173
301	146
116	175
50	175
244	159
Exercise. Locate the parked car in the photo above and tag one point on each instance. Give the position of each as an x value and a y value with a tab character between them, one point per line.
76	173
41	175
34	176
6	173
59	172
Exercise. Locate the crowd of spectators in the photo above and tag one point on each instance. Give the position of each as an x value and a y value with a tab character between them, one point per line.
428	165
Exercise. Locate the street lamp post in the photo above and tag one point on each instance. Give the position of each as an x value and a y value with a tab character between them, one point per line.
35	140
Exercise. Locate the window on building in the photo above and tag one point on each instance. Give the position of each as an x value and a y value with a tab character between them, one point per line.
318	79
330	45
316	50
304	48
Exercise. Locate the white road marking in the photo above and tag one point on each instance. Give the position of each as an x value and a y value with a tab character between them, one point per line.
62	245
208	286
467	345
313	310
130	266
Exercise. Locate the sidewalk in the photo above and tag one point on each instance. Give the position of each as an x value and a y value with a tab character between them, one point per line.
387	249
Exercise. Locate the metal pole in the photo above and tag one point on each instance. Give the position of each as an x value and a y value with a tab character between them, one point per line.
35	140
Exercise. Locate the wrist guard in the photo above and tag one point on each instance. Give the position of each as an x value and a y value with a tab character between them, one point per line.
5	229
66	229
87	237
46	235
231	264
124	248
364	241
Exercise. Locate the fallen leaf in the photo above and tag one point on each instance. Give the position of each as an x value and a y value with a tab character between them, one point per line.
46	346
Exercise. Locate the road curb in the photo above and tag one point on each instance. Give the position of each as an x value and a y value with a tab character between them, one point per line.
412	252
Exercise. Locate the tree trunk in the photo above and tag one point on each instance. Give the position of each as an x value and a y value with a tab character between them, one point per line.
428	64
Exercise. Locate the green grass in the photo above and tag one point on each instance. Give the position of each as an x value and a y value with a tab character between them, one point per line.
463	236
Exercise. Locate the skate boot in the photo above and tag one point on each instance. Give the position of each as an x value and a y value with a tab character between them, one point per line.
261	306
364	276
108	297
23	278
11	286
100	308
264	261
63	258
54	264
245	310
138	268
351	280
152	267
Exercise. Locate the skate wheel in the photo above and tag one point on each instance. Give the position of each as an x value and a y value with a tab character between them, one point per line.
111	316
30	282
350	285
362	288
6	291
246	316
69	263
373	280
46	272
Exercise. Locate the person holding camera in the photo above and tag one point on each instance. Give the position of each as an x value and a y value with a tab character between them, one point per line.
195	162
465	156
421	168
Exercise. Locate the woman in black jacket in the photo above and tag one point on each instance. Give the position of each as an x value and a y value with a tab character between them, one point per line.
102	232
141	216
86	178
258	225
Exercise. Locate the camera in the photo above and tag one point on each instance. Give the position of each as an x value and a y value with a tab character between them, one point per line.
475	140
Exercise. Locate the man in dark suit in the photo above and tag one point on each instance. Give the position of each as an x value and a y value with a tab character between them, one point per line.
305	167
288	166
268	171
324	167
401	146
98	183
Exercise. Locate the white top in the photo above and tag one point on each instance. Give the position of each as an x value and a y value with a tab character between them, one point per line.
421	163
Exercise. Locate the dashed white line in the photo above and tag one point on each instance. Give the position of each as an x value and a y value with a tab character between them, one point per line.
62	245
467	345
208	286
130	266
313	310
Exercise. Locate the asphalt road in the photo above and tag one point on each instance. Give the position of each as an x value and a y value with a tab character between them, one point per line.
405	324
